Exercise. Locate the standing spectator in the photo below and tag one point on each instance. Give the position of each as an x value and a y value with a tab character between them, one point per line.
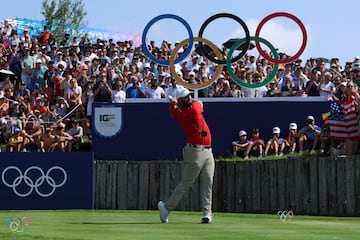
326	87
37	76
240	145
134	90
312	86
155	91
27	65
45	36
197	154
103	91
118	95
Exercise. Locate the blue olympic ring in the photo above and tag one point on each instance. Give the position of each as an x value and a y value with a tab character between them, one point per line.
146	29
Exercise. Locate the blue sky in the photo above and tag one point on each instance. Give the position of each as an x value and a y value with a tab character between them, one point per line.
332	26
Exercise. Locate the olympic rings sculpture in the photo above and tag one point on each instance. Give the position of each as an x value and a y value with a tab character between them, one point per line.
17	224
33	184
285	215
245	42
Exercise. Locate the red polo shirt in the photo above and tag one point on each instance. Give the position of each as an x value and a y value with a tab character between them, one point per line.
193	122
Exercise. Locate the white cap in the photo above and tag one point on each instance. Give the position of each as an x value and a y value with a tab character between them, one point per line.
38	61
182	92
310	118
292	126
242	133
276	130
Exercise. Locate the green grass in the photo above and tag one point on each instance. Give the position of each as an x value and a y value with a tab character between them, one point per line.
107	224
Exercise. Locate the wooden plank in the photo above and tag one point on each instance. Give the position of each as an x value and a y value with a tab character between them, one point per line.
314	188
110	195
357	187
239	186
350	187
306	201
248	187
230	187
133	185
273	187
143	198
281	185
332	186
264	187
221	186
341	185
101	194
323	193
298	176
290	184
122	184
154	185
256	186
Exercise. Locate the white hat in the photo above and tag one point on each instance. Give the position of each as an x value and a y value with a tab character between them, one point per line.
310	118
146	65
242	133
276	130
292	126
191	73
182	92
38	61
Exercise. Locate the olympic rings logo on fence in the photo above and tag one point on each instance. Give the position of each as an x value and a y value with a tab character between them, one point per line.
285	215
245	42
33	184
17	224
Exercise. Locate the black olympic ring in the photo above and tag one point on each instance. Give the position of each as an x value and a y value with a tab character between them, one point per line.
30	183
245	45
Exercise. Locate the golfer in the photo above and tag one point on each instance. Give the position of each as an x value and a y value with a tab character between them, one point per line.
197	154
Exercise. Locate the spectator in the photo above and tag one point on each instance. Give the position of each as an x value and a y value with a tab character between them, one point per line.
27	64
16	141
103	91
290	142
118	95
74	94
48	141
256	145
326	87
273	90
312	86
309	136
76	132
240	145
31	135
134	90
37	75
273	145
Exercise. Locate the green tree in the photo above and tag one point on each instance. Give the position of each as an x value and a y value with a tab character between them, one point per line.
64	16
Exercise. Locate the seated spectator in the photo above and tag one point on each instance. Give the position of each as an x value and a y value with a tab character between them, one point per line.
309	136
31	135
48	141
256	145
76	132
273	145
290	142
16	141
63	138
240	145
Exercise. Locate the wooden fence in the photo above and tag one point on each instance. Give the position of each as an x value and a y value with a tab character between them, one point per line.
308	186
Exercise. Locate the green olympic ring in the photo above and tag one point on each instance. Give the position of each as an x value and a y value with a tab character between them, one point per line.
241	82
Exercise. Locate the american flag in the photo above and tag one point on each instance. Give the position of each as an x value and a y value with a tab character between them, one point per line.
343	120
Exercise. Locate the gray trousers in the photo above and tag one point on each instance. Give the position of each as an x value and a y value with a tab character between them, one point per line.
198	162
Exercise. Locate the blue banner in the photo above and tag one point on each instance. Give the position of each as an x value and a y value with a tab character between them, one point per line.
46	181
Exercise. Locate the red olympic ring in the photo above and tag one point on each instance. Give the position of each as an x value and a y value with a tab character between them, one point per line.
298	22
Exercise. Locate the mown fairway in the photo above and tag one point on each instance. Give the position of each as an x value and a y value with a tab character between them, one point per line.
106	224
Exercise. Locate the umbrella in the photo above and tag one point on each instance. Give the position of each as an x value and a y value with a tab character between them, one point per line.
6	72
208	49
230	42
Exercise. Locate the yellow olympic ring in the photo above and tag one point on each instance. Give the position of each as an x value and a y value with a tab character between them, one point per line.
13	226
181	80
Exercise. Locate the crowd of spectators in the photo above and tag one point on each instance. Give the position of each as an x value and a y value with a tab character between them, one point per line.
55	82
